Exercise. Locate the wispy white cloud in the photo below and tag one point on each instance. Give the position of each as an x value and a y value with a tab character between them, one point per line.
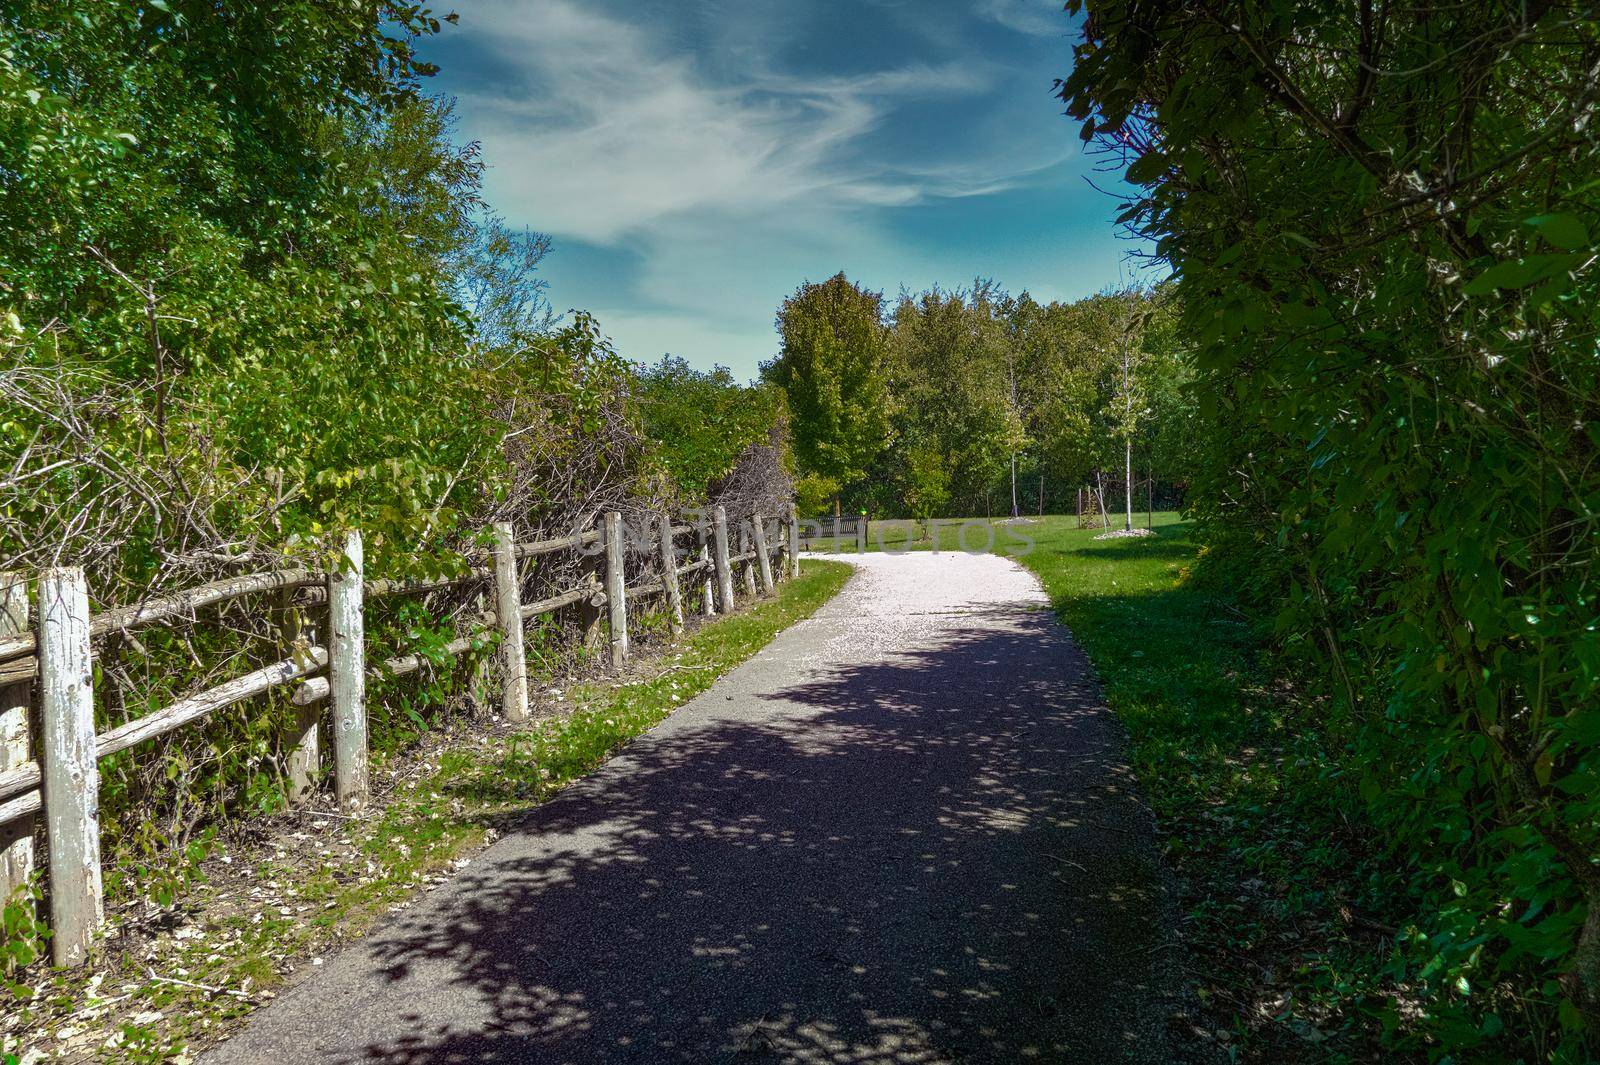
611	131
709	157
1038	17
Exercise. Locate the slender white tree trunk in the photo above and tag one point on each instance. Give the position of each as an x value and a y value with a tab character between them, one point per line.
1128	495
1127	393
1014	511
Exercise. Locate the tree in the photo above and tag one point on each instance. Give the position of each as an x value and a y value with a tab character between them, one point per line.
1382	220
1062	357
702	421
982	383
231	321
1129	409
831	366
238	220
1131	313
953	392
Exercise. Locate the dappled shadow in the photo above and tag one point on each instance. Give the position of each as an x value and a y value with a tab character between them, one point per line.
937	856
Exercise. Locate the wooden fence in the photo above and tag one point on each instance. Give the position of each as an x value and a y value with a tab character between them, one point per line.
833	532
54	660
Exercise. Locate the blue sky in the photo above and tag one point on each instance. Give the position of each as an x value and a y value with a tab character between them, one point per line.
696	160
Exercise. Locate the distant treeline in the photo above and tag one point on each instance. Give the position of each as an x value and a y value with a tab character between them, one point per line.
962	402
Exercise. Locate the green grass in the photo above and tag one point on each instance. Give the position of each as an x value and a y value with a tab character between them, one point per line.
551	755
1271	872
975	534
314	889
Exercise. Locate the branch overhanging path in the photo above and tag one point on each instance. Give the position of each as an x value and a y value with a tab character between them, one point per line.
902	832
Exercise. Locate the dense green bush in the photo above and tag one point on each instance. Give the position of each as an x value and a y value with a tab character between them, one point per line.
702	421
1381	222
250	296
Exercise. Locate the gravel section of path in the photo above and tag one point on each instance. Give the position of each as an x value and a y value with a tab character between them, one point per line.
904	831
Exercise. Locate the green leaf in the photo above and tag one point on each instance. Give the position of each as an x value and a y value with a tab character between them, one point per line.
1147	168
1564	231
1518	273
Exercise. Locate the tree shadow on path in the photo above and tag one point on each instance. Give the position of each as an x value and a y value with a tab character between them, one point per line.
934	857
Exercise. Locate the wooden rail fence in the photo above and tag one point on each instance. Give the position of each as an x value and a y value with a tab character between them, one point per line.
833	532
53	659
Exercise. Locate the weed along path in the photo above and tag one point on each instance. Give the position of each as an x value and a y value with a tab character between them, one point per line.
902	832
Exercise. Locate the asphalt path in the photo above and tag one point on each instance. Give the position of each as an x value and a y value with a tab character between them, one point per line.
903	832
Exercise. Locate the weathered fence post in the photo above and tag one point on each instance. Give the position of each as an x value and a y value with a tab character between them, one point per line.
780	545
483	668
508	615
763	563
305	753
71	770
588	611
347	676
708	586
794	541
747	568
669	577
861	535
616	589
16	838
719	530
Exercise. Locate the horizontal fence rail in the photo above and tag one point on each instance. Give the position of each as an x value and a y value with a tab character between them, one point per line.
48	666
832	532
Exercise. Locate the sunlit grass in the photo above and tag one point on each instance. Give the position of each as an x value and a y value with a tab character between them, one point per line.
1001	535
606	715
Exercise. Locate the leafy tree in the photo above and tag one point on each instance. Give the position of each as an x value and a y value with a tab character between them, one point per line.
702	421
1381	219
1138	356
952	384
832	367
925	481
813	493
205	206
1128	409
1061	357
1170	440
981	383
235	242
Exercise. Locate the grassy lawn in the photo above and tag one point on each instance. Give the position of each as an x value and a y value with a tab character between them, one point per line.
1278	896
974	534
253	917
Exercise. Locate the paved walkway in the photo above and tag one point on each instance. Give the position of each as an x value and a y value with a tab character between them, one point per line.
903	832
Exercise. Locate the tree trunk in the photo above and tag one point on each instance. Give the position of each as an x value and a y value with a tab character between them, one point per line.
1015	513
1582	982
1128	495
